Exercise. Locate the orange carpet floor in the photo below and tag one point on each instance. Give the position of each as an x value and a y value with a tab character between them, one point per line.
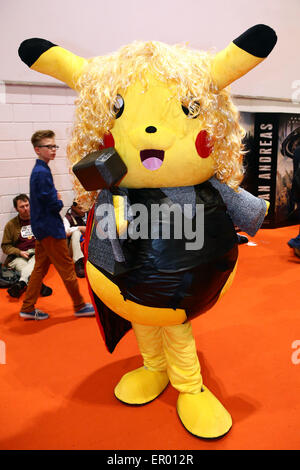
58	378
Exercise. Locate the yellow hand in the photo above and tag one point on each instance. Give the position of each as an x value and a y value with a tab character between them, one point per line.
268	205
119	205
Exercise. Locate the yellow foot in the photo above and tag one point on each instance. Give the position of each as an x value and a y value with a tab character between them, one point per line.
203	415
141	386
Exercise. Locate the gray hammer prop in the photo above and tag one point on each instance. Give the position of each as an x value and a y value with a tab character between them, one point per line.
100	170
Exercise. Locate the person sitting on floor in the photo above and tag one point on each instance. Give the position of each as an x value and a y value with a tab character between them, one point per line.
75	225
18	243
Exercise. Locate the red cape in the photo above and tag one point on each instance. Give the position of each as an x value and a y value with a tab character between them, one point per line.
112	326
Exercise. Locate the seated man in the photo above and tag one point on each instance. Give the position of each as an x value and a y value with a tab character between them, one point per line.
18	243
75	225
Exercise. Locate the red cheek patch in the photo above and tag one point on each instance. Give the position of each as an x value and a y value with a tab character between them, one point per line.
204	144
108	140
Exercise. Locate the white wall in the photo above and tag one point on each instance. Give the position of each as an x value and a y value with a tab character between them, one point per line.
27	109
95	27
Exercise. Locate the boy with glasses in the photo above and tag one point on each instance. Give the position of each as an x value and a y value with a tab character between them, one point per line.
48	229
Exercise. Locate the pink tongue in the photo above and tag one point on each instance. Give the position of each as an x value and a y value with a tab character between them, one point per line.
152	163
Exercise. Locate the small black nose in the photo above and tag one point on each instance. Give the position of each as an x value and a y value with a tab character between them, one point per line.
151	129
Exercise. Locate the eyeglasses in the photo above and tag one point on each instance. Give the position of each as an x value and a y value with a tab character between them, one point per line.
49	147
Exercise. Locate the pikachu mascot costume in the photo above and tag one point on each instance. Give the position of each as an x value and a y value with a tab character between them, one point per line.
156	148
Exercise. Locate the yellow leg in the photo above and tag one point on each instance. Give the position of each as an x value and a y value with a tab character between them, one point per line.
199	410
170	352
144	384
182	361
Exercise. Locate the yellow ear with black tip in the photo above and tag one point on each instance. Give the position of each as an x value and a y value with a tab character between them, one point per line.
242	55
48	58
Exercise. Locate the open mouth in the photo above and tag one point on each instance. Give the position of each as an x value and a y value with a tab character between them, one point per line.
152	159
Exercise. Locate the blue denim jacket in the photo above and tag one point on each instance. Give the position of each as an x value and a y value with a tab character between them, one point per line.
44	204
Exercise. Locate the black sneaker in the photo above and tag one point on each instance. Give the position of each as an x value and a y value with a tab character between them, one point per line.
45	291
79	268
17	289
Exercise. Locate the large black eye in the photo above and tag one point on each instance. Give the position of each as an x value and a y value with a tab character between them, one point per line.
118	106
193	110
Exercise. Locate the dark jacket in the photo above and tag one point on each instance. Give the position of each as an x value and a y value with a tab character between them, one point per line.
296	186
44	204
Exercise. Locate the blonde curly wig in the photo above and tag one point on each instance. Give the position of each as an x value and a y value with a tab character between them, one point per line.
189	69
